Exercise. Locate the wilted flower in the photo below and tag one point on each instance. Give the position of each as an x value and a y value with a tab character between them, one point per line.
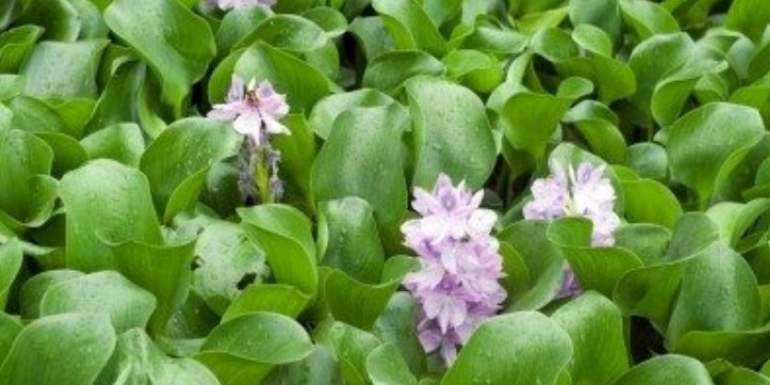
457	286
584	193
256	111
239	4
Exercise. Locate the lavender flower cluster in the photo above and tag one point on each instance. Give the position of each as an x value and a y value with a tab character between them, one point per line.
457	286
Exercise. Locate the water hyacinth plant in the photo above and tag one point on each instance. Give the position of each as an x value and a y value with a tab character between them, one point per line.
384	192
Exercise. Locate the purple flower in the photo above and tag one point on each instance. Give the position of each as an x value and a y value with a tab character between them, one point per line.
255	111
457	286
584	193
240	4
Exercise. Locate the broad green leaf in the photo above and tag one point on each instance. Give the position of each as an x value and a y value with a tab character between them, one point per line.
332	21
59	18
603	14
362	158
33	290
284	234
16	44
177	44
649	201
236	25
452	134
389	71
319	368
648	160
329	108
138	359
646	240
733	219
176	162
164	271
747	347
396	326
648	18
122	142
386	367
356	303
725	133
719	293
289	32
9	329
128	305
667	369
530	120
98	198
244	349
11	258
66	349
597	124
595	325
597	268
120	99
409	26
227	260
298	149
276	298
353	244
544	262
535	351
478	71
25	162
372	36
351	346
749	16
63	70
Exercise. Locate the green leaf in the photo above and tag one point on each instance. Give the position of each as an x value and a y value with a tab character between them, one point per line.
479	71
530	120
749	16
98	197
34	289
227	259
176	162
451	133
276	298
386	367
284	233
289	32
164	271
362	158
59	18
351	346
372	36
122	142
648	159
297	153
128	305
25	162
389	71
397	326
66	349
535	352
605	15
650	201
319	368
236	25
177	44
138	359
725	133
734	219
9	329
356	303
665	370
543	260
63	70
120	100
409	26
597	269
15	45
719	293
329	108
244	349
11	258
595	325
354	244
648	18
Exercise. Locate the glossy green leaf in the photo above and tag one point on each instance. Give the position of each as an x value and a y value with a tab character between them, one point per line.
667	370
396	326
389	71
122	142
536	351
452	133
176	43
409	26
289	32
11	258
284	234
98	197
354	302
276	298
67	349
33	290
63	70
176	162
329	108
386	367
16	44
128	305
